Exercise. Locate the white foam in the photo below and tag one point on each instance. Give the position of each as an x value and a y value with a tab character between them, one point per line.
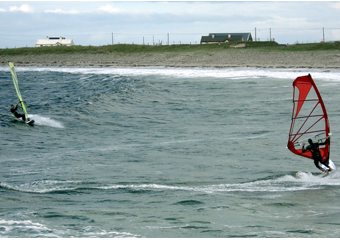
301	181
93	232
225	73
45	186
45	121
33	228
287	183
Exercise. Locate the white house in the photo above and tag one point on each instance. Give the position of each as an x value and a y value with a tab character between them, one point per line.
54	41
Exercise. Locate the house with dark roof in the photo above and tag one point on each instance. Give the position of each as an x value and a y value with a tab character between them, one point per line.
226	37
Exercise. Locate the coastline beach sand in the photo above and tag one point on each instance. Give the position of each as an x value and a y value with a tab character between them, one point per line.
223	59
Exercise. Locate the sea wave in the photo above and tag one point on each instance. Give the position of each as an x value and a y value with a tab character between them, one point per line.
225	73
45	121
13	228
287	183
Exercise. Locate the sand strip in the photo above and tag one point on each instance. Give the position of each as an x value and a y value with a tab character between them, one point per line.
311	59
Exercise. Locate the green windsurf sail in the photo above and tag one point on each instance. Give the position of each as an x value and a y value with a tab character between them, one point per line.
16	85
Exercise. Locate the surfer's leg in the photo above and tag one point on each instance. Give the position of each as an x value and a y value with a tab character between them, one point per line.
23	117
326	163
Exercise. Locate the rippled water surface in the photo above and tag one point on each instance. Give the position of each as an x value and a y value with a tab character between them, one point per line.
162	152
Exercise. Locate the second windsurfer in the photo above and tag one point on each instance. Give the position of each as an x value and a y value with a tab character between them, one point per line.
18	115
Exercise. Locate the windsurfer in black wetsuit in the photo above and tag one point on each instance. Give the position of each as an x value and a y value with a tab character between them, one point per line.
314	149
14	112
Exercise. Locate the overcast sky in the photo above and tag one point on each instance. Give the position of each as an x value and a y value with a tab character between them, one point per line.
96	22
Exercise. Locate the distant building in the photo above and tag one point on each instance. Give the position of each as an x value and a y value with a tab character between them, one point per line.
226	37
54	41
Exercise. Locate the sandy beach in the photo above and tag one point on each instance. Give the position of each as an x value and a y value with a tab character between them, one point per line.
223	59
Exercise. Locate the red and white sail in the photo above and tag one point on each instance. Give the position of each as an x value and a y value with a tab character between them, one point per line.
309	118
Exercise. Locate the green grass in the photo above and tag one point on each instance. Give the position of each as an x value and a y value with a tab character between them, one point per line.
137	49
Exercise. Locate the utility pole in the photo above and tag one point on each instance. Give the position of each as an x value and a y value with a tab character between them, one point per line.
323	34
112	38
168	39
255	34
270	34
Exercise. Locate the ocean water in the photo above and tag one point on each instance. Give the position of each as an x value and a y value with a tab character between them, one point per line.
162	152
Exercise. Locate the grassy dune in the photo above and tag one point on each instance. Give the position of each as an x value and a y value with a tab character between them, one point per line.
239	54
184	48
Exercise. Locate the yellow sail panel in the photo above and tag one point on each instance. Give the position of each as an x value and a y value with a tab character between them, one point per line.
16	85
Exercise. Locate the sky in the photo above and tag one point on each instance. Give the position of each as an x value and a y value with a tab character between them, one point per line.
98	23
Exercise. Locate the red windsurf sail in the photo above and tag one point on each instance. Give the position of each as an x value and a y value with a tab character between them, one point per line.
309	118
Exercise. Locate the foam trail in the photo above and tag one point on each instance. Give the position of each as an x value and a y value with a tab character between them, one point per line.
45	121
10	227
302	181
225	73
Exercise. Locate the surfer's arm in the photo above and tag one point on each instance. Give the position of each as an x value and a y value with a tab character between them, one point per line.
303	148
327	140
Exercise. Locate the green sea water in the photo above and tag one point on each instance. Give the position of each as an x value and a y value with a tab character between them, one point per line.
162	152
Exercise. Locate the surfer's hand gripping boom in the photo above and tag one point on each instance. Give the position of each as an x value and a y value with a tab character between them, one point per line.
19	103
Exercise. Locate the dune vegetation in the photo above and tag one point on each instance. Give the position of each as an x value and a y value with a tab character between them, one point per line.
201	48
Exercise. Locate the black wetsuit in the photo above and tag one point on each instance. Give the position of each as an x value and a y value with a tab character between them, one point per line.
314	149
14	112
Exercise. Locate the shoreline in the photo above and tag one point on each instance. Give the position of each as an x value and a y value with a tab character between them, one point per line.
223	59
